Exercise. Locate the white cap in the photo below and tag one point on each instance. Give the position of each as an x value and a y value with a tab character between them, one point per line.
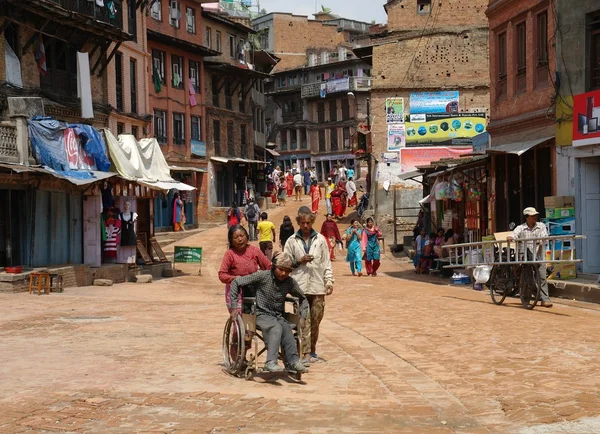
530	211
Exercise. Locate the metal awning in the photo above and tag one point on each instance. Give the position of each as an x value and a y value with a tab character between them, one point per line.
517	148
187	169
271	152
236	160
92	175
410	175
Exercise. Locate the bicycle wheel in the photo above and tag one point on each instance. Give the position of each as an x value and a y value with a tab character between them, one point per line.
498	291
530	286
234	345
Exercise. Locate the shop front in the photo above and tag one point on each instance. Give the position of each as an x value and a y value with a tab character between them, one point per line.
233	180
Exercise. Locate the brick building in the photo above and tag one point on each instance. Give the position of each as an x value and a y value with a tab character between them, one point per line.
128	89
522	118
290	37
232	84
175	33
426	46
317	110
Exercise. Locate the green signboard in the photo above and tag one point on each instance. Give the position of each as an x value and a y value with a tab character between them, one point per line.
191	255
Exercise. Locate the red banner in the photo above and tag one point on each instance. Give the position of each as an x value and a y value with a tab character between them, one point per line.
410	158
78	158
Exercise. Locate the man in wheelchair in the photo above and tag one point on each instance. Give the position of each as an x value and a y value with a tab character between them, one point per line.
271	288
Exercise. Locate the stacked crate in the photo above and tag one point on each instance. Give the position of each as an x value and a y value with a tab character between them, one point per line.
560	220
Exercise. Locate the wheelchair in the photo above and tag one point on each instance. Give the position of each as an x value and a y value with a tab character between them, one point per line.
238	337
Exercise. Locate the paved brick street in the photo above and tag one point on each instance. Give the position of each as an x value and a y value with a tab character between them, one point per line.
401	356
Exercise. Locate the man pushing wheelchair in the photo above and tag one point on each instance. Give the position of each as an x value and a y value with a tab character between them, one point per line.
271	288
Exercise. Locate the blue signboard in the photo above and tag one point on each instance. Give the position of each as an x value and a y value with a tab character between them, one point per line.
198	148
433	102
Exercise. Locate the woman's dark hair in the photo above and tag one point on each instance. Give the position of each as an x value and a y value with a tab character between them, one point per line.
432	235
176	195
442	231
233	230
370	219
234	205
449	234
352	222
287	221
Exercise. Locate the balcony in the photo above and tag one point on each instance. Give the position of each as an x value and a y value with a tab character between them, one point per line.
91	9
355	84
8	142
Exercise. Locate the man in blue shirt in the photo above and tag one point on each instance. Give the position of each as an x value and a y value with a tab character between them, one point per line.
306	181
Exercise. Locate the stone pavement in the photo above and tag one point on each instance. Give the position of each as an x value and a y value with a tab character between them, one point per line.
400	355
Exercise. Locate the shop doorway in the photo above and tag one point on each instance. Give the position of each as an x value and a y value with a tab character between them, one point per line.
143	223
590	214
11	226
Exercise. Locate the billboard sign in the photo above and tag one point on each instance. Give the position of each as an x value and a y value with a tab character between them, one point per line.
394	110
338	85
433	102
586	119
396	137
446	129
411	158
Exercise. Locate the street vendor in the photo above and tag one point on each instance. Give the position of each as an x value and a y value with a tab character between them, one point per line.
534	229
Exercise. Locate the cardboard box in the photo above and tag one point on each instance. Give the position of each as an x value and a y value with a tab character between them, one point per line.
563	271
560	255
559	202
560	245
558	213
564	226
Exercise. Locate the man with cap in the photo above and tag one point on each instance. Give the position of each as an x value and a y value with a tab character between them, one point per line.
534	229
271	288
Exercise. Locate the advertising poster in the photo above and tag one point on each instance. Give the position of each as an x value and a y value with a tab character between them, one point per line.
338	85
586	119
77	156
446	129
396	137
394	110
433	102
390	157
413	157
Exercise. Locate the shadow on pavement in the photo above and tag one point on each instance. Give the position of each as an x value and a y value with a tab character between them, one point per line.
510	305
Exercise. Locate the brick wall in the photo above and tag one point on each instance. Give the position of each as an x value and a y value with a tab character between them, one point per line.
403	14
294	35
539	90
225	30
138	51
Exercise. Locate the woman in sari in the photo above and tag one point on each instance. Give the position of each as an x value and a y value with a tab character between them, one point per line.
177	212
339	200
351	190
289	183
370	245
330	231
315	195
354	256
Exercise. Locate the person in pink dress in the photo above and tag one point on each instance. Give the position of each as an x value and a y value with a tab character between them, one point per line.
241	259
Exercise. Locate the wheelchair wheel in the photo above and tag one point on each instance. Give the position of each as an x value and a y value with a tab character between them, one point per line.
234	346
530	286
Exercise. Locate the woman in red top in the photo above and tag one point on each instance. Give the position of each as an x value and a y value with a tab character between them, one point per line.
332	235
240	260
289	179
339	200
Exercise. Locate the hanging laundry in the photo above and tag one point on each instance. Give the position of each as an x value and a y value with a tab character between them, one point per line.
40	55
100	3
193	102
326	76
156	79
85	85
13	66
112	9
176	79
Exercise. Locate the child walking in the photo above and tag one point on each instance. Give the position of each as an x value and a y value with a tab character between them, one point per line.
266	230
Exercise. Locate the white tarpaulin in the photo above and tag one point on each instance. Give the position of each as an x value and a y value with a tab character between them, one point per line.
142	161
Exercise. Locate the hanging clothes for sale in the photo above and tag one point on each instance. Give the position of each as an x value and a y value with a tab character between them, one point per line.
128	237
113	232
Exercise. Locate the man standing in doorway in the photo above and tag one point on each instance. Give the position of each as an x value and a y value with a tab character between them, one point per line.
313	272
534	229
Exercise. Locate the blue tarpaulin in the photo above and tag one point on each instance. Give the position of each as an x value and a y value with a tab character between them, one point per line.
49	144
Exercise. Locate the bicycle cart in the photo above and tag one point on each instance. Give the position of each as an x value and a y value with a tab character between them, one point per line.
515	265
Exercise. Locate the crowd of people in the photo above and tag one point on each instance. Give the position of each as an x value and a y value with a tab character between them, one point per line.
302	268
429	247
